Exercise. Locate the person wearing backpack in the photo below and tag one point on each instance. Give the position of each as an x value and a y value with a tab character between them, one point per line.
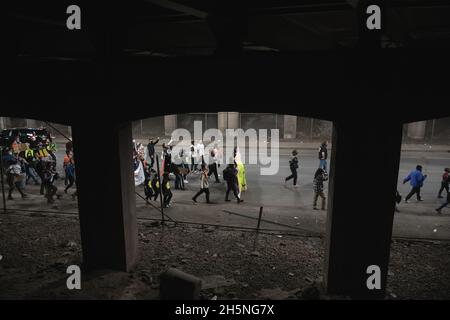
230	176
293	165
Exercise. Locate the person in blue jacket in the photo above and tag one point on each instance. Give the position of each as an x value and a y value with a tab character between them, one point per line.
416	179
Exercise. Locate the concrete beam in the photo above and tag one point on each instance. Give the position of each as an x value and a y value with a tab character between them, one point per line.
172	5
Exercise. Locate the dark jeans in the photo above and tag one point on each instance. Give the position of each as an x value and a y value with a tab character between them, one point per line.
213	170
179	183
71	180
444	185
167	197
51	191
193	167
232	187
443	205
152	161
205	190
13	185
414	190
293	175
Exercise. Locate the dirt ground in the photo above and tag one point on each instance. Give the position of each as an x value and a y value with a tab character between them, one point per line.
35	250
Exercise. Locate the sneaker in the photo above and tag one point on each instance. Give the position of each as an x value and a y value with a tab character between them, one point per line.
195	200
440	197
228	200
420	200
439	211
315	208
295	185
240	200
185	181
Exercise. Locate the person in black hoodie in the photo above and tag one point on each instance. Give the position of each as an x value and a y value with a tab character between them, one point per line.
293	165
230	176
167	193
155	186
151	151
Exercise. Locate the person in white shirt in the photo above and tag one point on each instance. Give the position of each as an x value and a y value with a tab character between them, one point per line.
201	152
193	154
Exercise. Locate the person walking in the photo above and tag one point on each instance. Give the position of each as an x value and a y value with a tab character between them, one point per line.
230	176
70	174
416	179
204	185
50	177
319	177
323	155
444	182
151	151
167	193
214	165
445	204
193	154
293	165
14	178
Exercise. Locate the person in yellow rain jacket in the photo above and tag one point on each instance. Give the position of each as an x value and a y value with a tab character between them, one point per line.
241	171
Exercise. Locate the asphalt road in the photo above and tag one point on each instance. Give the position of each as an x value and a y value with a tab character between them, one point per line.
284	207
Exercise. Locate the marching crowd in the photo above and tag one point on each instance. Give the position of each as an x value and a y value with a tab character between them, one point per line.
22	162
187	162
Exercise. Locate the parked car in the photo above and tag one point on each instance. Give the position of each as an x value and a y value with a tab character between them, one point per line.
33	136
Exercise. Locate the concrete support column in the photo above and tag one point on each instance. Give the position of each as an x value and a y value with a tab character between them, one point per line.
290	127
227	120
107	211
170	124
2	123
222	121
359	232
32	123
233	120
416	130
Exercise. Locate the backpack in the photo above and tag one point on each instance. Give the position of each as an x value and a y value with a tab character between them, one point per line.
226	174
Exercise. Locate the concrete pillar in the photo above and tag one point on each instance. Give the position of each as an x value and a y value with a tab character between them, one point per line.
2	123
69	131
170	124
233	120
32	123
222	121
416	130
228	120
290	127
359	230
107	209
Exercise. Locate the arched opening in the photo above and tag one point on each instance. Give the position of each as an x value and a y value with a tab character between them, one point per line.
420	240
269	246
40	234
